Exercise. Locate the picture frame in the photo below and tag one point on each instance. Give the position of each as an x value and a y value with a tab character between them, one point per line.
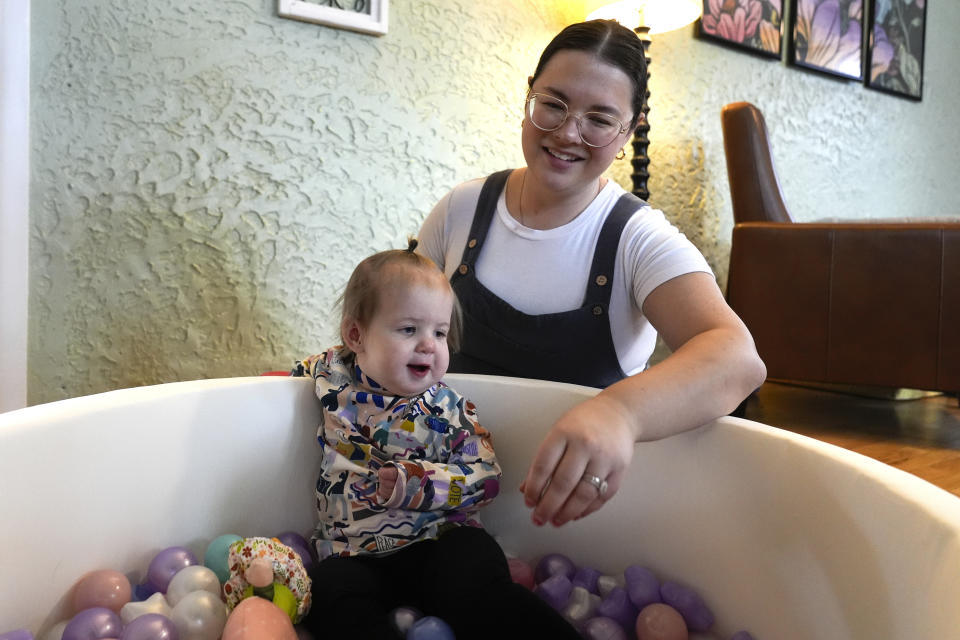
896	42
756	27
827	36
362	16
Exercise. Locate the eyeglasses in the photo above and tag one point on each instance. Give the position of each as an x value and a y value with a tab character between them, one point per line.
596	129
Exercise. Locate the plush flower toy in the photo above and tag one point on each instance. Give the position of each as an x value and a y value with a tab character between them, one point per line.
267	568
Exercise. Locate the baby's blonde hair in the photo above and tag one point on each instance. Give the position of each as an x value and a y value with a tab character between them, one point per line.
361	297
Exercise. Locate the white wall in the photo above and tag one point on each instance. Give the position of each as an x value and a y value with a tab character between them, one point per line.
14	199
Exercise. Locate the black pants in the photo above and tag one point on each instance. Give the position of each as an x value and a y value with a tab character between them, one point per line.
462	577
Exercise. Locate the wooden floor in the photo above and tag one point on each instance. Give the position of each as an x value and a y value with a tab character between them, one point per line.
920	436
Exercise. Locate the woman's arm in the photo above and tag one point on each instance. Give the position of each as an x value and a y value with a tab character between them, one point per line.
713	367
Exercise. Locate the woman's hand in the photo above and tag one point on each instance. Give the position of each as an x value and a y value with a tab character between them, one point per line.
595	437
387	477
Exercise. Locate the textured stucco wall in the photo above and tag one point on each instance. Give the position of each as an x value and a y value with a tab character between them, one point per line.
205	174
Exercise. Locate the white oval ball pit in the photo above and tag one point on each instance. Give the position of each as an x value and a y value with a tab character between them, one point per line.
782	535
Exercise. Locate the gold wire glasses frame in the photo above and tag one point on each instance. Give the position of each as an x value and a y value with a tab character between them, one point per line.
596	129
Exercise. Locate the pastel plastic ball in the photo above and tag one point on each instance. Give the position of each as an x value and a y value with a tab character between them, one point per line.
554	564
691	606
97	623
215	557
156	603
402	618
151	626
555	591
166	564
17	634
581	606
642	586
521	572
200	616
193	578
104	588
606	584
617	606
601	628
586	577
430	628
256	618
659	621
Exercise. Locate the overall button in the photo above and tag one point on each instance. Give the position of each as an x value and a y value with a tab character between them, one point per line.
472	243
601	280
463	269
598	310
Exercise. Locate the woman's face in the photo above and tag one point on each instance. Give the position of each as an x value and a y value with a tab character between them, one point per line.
559	159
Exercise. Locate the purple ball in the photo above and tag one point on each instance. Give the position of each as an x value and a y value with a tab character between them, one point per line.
586	577
690	605
553	564
430	628
555	591
601	628
150	626
93	624
642	586
618	607
17	634
166	564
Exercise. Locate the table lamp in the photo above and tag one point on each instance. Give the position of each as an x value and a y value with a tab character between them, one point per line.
647	17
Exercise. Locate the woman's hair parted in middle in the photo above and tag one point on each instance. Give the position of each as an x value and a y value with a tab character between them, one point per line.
395	267
611	42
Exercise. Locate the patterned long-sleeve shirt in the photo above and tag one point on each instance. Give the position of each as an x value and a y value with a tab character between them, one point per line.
444	459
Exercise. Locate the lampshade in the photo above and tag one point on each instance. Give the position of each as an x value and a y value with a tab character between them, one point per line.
658	15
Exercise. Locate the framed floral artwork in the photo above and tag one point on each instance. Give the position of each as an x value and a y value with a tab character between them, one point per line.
754	25
827	36
895	62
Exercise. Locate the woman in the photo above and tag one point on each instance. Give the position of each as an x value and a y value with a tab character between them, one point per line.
564	276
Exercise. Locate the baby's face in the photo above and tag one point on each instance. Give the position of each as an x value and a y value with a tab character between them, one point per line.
404	347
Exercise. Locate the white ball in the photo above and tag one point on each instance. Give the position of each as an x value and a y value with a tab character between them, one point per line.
199	615
189	579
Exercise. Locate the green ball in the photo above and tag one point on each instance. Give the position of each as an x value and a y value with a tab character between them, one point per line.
218	551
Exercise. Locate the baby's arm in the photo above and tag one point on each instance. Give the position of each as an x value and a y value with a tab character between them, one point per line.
469	477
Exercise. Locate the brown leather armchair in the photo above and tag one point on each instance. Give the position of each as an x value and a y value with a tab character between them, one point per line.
859	303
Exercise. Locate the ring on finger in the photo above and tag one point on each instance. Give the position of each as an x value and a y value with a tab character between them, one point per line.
600	485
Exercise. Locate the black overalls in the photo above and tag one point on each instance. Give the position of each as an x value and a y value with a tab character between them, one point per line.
570	346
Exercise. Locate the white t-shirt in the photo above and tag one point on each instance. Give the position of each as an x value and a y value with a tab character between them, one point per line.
545	271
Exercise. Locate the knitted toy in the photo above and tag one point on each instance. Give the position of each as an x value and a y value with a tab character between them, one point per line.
268	568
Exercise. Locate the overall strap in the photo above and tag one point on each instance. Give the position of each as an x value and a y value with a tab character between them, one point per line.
486	207
598	290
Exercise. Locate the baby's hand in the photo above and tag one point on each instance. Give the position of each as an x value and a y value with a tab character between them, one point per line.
387	476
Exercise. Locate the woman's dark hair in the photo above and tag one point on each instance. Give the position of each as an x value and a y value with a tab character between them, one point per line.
612	43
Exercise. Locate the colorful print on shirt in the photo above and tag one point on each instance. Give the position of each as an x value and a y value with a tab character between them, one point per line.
444	459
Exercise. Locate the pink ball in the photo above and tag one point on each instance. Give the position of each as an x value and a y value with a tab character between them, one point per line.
256	618
105	588
521	572
659	621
